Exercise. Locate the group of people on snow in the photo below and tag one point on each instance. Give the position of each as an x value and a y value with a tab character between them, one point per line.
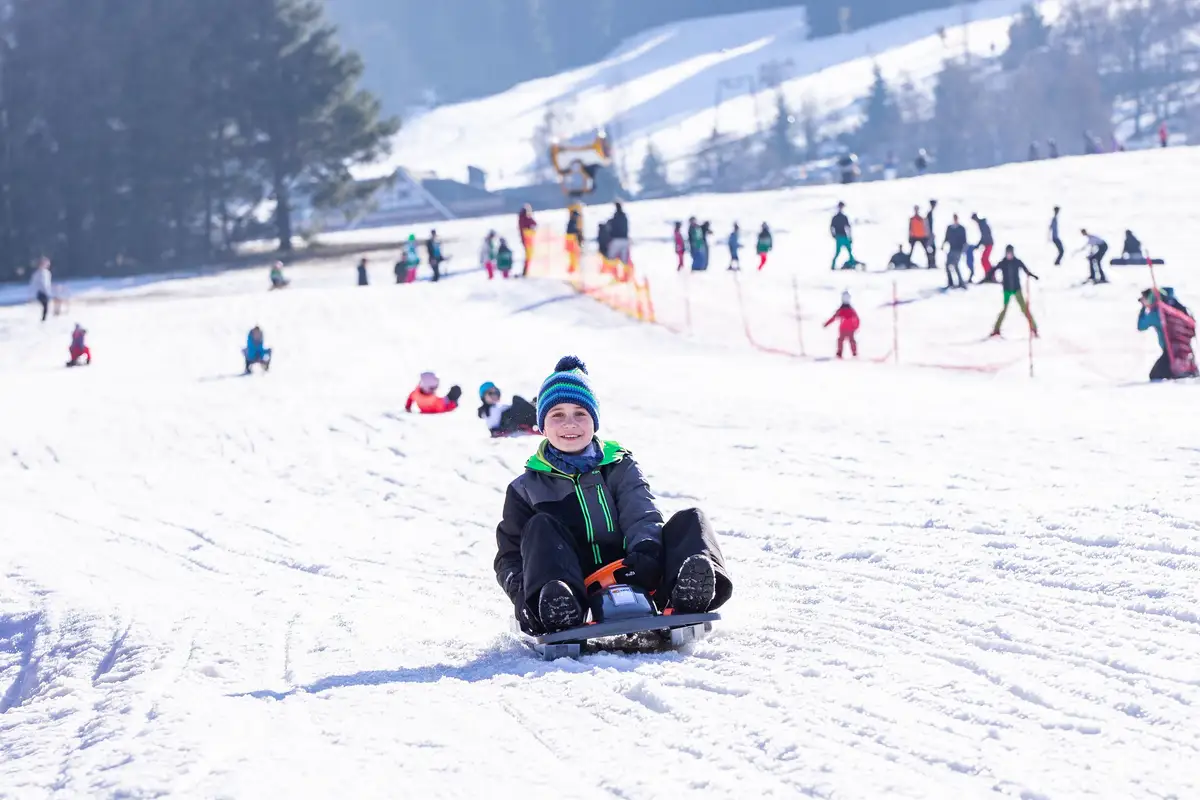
695	244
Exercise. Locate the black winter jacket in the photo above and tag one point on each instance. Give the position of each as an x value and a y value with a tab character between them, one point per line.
609	511
956	237
1010	270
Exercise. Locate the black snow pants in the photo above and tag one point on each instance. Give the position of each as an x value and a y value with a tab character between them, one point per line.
952	270
521	414
549	553
1161	371
44	299
1058	243
1096	263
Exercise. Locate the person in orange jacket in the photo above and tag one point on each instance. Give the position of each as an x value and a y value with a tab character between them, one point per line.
918	234
425	398
847	327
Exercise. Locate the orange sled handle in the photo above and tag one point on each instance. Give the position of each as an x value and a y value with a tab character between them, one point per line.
606	576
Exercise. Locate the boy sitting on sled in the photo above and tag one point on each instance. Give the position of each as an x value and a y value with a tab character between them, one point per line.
255	351
583	503
505	419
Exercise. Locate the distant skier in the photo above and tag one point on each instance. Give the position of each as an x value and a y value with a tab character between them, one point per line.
764	245
79	348
256	352
504	258
1176	327
987	243
839	229
1162	135
696	245
277	279
582	504
40	285
433	251
505	419
1054	236
918	234
847	325
680	244
618	231
956	240
1010	269
1096	248
527	225
362	272
931	237
922	161
735	246
1052	148
425	398
487	254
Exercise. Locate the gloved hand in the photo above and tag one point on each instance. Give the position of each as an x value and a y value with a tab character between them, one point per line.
643	565
454	393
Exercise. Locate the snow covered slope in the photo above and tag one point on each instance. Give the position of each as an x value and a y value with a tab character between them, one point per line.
660	87
947	585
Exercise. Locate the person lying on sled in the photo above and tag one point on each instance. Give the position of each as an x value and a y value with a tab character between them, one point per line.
583	503
505	419
425	397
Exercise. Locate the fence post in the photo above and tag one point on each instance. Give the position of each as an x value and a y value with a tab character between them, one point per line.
799	323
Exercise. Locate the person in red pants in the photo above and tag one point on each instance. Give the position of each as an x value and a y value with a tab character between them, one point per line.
987	243
79	348
680	247
847	327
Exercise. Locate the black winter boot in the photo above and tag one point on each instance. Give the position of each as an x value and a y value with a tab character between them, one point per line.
695	586
558	608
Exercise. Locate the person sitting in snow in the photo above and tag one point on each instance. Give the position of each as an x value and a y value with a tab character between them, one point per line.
847	326
1176	327
505	419
255	352
900	259
583	503
504	258
277	279
764	245
1132	249
425	398
79	348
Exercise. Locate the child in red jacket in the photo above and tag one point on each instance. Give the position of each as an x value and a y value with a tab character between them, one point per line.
425	398
847	326
79	348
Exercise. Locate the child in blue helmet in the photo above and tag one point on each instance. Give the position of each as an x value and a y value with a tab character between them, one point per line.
505	419
583	503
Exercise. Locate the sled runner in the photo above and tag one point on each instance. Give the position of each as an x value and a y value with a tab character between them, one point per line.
620	610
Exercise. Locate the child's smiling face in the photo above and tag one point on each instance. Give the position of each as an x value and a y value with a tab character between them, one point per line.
569	427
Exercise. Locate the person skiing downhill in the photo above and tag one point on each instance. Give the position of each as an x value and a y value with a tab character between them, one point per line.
1173	323
847	325
764	245
583	503
839	229
425	398
1096	248
1010	269
735	245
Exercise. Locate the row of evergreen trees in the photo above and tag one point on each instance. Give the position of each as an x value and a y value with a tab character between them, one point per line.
136	134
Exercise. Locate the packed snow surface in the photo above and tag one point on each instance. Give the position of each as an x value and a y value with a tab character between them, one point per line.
948	583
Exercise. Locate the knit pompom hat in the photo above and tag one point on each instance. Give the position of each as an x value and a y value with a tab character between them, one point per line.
569	384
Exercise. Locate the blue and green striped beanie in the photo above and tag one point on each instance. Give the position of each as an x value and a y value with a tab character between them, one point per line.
569	384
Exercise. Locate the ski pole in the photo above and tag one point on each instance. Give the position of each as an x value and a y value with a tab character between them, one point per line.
1162	318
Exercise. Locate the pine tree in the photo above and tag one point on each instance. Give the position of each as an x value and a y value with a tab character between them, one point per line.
1027	34
881	115
781	148
653	175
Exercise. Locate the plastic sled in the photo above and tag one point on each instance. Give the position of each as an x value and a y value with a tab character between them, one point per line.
1134	262
621	616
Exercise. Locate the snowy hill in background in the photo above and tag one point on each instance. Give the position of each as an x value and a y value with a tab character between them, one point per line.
948	584
660	88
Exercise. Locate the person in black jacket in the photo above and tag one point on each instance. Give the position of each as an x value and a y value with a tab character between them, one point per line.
987	243
956	241
931	240
618	236
582	504
1010	269
839	229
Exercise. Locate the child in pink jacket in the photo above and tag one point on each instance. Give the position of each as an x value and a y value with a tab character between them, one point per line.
847	326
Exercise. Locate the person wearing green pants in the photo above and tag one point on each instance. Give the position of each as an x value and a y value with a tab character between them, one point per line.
1010	269
839	228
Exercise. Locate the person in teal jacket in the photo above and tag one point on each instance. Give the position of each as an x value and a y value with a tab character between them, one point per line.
1179	361
256	352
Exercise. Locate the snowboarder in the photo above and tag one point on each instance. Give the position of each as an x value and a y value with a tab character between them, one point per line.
680	245
487	254
256	352
956	240
277	279
504	258
433	251
618	232
362	272
839	229
1132	249
79	348
1096	248
847	326
40	285
1178	360
918	234
505	419
528	228
987	243
1010	269
582	504
764	245
425	398
735	245
1054	236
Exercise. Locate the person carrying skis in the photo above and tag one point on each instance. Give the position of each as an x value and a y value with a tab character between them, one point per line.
987	243
425	398
433	251
40	285
735	246
956	240
505	419
256	352
1054	236
487	254
681	245
764	245
277	279
847	325
1010	269
583	503
1176	327
918	234
1096	248
528	228
839	229
79	348
504	258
